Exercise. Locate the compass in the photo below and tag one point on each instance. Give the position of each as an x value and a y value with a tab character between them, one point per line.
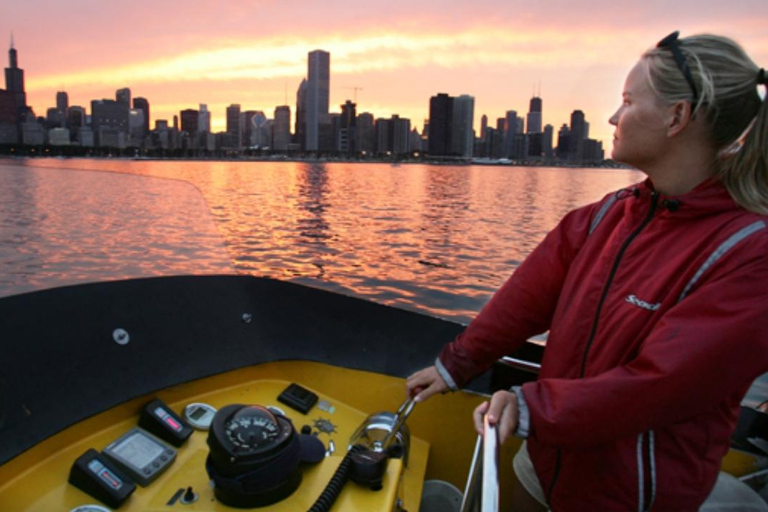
254	458
246	433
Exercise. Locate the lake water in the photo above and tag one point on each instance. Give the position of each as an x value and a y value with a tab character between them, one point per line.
436	239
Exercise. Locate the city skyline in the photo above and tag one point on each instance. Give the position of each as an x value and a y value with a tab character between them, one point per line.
255	55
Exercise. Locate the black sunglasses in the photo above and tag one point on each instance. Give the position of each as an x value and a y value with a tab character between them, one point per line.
671	42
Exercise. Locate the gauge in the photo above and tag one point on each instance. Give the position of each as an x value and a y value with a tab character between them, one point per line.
252	428
199	415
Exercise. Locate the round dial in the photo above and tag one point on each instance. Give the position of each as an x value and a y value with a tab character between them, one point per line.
252	428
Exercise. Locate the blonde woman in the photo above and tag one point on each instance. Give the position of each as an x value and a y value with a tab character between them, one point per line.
655	298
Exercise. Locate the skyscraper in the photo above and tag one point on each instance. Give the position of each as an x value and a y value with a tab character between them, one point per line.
440	124
281	130
366	142
318	95
534	116
510	133
578	134
190	120
62	102
140	103
463	134
234	127
348	128
14	80
204	119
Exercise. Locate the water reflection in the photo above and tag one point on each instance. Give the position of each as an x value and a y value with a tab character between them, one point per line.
437	239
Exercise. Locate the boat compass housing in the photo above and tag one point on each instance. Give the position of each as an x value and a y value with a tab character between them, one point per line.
255	456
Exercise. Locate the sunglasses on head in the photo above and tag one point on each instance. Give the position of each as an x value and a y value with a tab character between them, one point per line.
671	42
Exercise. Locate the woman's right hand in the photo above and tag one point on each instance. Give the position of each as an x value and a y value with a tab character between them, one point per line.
425	383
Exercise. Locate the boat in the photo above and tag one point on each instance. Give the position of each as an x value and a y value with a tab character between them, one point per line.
93	374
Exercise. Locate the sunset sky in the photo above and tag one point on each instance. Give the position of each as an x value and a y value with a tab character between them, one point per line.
178	54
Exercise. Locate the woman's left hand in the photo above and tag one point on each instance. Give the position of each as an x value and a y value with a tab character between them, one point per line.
502	412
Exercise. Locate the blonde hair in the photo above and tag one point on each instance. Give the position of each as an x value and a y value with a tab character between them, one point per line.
726	80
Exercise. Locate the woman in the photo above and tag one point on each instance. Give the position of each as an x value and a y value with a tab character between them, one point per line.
655	299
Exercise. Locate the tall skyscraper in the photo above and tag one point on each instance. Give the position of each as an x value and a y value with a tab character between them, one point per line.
318	95
140	103
14	80
534	116
204	119
463	134
440	125
62	102
234	127
578	134
511	129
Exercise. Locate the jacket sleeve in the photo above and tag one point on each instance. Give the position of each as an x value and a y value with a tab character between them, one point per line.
522	307
705	350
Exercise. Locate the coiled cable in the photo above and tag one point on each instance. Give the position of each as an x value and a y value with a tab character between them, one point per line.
331	492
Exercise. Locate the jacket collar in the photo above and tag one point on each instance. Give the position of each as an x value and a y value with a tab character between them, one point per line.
709	196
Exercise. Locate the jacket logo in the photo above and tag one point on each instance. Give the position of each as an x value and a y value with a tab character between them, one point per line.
632	299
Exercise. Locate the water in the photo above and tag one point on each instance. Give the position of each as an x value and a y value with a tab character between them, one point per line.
436	239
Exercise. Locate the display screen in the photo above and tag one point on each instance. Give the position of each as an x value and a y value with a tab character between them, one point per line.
197	413
137	450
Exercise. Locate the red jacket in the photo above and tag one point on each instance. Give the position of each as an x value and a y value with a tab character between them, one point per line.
658	315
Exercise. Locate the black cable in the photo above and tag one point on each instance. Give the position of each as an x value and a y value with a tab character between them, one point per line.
331	492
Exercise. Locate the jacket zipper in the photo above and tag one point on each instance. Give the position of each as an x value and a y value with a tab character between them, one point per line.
632	236
619	256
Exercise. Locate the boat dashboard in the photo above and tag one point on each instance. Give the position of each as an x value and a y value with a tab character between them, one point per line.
184	483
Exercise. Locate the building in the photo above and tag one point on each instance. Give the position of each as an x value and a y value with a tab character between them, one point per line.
534	118
55	118
382	137
123	96
348	128
317	96
110	123
301	115
578	135
14	81
234	136
462	130
62	102
511	129
366	136
58	137
142	104
546	141
399	138
204	119
440	125
190	121
563	142
281	128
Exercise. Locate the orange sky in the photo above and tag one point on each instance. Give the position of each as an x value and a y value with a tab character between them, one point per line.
179	54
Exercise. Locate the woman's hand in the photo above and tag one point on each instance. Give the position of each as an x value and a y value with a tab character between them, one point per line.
425	383
502	412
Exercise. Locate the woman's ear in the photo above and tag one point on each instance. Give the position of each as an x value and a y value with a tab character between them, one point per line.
680	116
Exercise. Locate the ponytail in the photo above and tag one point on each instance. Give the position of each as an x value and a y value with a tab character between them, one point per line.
744	169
